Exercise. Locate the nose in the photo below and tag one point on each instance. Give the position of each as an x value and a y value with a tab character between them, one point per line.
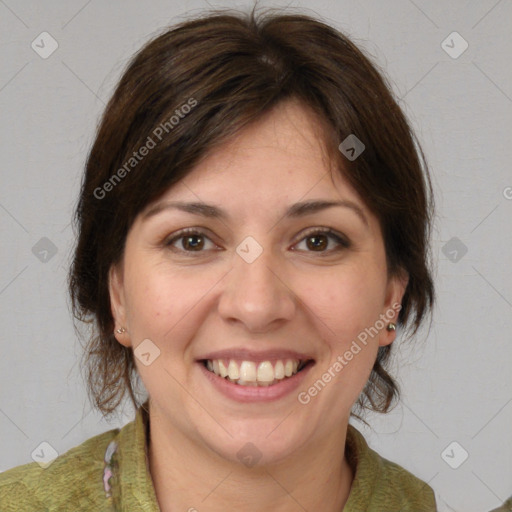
257	294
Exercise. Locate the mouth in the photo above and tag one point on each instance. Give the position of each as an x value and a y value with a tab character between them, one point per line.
256	373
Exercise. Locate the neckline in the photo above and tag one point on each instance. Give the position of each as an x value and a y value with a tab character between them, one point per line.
357	453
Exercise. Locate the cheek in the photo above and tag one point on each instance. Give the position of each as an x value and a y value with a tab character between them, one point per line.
151	302
157	310
146	299
347	305
165	304
346	302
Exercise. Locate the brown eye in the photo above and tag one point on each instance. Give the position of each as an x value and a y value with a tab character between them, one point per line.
188	241
318	241
193	242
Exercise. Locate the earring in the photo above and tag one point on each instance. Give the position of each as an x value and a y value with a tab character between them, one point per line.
121	330
391	326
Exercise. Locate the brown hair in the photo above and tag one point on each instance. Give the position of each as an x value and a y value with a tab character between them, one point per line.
230	69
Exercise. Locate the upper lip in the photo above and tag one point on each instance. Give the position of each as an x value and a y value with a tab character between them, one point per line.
244	354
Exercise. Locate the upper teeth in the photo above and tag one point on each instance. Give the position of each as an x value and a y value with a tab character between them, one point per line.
249	373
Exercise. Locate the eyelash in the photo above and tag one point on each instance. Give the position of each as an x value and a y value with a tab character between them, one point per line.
342	242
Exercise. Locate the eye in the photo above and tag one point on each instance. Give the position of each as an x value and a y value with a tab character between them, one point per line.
318	239
192	240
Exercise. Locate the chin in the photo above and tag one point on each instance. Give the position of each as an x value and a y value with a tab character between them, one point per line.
256	443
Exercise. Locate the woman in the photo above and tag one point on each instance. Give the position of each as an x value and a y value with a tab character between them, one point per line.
253	229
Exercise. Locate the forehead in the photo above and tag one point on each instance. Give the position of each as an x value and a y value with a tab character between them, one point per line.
278	159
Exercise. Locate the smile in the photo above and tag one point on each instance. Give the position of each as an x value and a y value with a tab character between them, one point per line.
251	373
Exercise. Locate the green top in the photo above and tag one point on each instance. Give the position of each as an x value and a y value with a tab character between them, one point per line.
506	507
110	472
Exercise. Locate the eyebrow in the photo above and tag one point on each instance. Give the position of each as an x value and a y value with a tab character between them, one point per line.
296	210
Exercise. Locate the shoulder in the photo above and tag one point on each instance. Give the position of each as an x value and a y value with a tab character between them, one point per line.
408	491
383	483
73	479
506	507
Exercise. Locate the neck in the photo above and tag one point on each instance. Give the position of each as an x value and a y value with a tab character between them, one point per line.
187	476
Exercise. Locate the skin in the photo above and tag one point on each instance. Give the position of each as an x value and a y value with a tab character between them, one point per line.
292	296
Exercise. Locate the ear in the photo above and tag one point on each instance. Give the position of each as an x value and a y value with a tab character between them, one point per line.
118	303
395	289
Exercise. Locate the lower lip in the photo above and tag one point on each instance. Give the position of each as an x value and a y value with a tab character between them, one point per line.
256	393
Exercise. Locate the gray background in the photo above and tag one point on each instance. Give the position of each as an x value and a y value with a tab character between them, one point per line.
455	379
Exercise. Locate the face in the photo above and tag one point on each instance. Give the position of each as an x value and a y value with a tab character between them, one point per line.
257	319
